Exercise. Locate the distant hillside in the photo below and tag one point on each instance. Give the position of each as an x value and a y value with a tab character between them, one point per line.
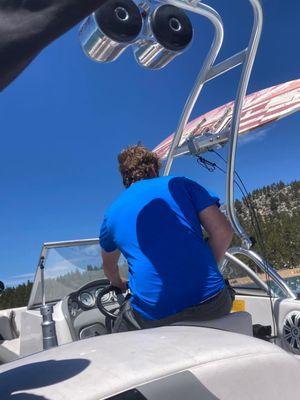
278	211
273	200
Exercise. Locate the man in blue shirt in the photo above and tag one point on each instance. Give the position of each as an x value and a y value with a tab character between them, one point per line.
156	224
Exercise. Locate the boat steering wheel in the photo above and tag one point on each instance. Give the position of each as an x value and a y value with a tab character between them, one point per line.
111	313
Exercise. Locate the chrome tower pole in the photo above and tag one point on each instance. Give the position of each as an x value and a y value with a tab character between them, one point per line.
214	17
235	124
208	72
262	264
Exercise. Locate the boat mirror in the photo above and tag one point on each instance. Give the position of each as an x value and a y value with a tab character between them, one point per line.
2	287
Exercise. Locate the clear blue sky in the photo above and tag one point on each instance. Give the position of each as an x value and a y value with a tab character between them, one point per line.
65	119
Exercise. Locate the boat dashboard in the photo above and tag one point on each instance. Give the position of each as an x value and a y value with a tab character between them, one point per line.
85	298
82	314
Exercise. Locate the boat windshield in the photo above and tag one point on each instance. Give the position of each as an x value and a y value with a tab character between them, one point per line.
67	268
70	265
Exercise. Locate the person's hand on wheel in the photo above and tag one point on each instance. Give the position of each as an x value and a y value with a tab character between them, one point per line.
121	284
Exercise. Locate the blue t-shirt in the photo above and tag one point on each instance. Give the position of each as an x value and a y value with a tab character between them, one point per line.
155	224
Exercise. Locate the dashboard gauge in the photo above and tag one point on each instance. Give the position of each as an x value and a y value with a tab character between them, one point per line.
105	298
87	299
74	307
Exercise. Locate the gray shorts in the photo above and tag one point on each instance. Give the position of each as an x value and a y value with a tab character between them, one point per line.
216	307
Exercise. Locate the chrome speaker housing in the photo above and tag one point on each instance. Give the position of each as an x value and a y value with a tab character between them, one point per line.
167	33
114	26
291	332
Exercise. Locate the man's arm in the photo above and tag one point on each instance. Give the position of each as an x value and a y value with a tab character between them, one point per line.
219	230
111	269
28	26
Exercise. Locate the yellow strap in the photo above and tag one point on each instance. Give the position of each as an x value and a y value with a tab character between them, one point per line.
238	305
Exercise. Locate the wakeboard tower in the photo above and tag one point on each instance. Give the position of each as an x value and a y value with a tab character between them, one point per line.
160	31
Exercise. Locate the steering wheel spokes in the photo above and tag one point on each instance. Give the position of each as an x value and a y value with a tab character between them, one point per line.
114	309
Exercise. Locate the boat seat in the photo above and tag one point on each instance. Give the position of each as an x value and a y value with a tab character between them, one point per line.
8	329
9	342
9	350
237	322
5	328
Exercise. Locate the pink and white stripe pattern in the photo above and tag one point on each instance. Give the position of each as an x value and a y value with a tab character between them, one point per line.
259	108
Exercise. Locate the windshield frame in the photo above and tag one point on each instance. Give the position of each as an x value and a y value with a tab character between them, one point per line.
39	278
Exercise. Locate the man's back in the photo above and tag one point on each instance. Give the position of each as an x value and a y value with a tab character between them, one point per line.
155	224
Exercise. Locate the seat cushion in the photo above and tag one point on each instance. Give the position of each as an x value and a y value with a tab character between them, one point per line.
5	327
238	322
9	350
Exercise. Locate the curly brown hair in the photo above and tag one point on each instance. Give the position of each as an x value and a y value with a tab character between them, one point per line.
137	163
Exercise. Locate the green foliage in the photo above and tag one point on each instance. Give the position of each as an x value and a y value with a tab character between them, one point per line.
16	296
278	213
